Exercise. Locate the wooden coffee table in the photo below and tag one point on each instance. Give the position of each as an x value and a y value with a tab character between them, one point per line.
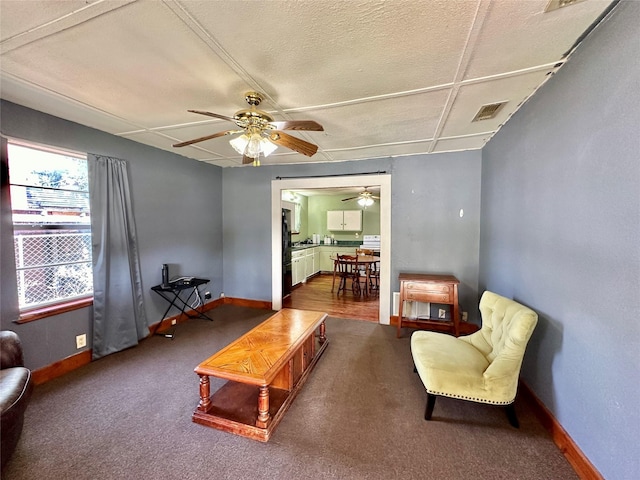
265	369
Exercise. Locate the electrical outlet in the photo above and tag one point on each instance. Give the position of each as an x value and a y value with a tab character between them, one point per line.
465	316
442	313
221	294
174	321
81	340
207	295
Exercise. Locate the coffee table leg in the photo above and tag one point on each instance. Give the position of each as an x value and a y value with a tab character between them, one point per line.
323	337
205	402
263	407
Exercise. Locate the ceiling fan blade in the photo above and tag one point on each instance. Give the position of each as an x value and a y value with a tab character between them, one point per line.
350	198
214	115
298	125
294	143
246	160
208	137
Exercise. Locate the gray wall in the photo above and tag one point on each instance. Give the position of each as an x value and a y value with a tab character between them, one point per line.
427	233
177	206
561	233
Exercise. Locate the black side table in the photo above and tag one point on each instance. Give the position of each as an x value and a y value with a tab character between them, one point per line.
171	293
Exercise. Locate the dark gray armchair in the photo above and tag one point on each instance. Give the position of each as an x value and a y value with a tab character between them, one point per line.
15	391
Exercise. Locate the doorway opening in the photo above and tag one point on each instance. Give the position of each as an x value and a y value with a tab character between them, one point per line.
381	181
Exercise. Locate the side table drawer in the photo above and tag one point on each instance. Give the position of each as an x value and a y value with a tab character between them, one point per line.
427	292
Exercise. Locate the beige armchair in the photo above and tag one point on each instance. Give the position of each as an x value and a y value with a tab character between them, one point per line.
482	367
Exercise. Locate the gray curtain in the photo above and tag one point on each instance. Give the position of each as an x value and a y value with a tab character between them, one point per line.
9	303
119	319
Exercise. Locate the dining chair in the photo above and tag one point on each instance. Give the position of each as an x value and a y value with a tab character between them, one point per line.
348	269
374	278
362	269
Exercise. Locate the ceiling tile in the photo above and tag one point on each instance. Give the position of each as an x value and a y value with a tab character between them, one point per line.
294	47
47	101
461	143
386	121
143	74
382	151
471	97
525	36
164	143
18	17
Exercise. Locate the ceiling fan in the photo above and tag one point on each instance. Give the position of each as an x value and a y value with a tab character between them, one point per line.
260	133
365	198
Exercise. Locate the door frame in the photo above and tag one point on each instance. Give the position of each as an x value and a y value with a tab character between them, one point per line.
383	181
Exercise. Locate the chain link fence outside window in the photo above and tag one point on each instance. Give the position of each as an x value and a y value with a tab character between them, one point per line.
52	266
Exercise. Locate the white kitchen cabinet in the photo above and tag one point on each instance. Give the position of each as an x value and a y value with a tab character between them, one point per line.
344	220
326	263
308	262
297	267
304	264
327	254
335	219
316	260
353	220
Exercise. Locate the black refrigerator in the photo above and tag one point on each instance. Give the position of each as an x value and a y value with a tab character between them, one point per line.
286	252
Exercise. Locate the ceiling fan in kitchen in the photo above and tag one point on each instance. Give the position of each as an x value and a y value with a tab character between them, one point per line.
259	133
365	198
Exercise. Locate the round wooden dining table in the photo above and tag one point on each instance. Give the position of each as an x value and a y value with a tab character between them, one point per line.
366	260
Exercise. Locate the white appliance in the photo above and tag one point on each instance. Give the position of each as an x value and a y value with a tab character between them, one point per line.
371	242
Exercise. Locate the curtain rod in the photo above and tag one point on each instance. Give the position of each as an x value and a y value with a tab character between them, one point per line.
379	172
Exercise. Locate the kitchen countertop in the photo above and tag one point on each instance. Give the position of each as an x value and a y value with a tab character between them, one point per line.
340	244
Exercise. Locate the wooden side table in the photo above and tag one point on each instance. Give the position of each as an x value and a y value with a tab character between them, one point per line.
419	287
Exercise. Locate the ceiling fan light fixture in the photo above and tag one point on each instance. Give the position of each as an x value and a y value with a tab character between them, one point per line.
240	143
252	145
268	147
365	202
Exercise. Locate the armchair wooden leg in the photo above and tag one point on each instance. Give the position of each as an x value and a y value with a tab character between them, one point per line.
431	402
511	415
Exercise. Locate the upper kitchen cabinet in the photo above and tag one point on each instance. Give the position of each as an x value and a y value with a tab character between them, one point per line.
344	220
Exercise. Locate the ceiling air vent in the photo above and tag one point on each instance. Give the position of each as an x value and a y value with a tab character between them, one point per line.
487	112
556	4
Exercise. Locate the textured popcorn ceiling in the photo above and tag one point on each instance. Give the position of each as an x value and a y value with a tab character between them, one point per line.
384	78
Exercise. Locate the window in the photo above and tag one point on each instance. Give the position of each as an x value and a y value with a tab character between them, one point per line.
51	221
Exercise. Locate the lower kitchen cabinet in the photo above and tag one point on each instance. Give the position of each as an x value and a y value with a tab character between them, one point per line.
304	264
328	253
316	260
308	262
297	267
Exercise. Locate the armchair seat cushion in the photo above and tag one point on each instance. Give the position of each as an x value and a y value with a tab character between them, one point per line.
449	367
14	386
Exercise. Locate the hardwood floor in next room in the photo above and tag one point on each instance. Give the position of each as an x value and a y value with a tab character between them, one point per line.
316	295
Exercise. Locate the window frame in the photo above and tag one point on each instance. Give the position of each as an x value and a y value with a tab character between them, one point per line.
44	310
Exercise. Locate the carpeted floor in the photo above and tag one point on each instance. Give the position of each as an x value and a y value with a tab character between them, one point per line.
359	416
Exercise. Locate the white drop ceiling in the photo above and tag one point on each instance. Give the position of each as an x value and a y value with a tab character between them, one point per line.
384	78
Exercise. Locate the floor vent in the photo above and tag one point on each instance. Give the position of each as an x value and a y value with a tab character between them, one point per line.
410	309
